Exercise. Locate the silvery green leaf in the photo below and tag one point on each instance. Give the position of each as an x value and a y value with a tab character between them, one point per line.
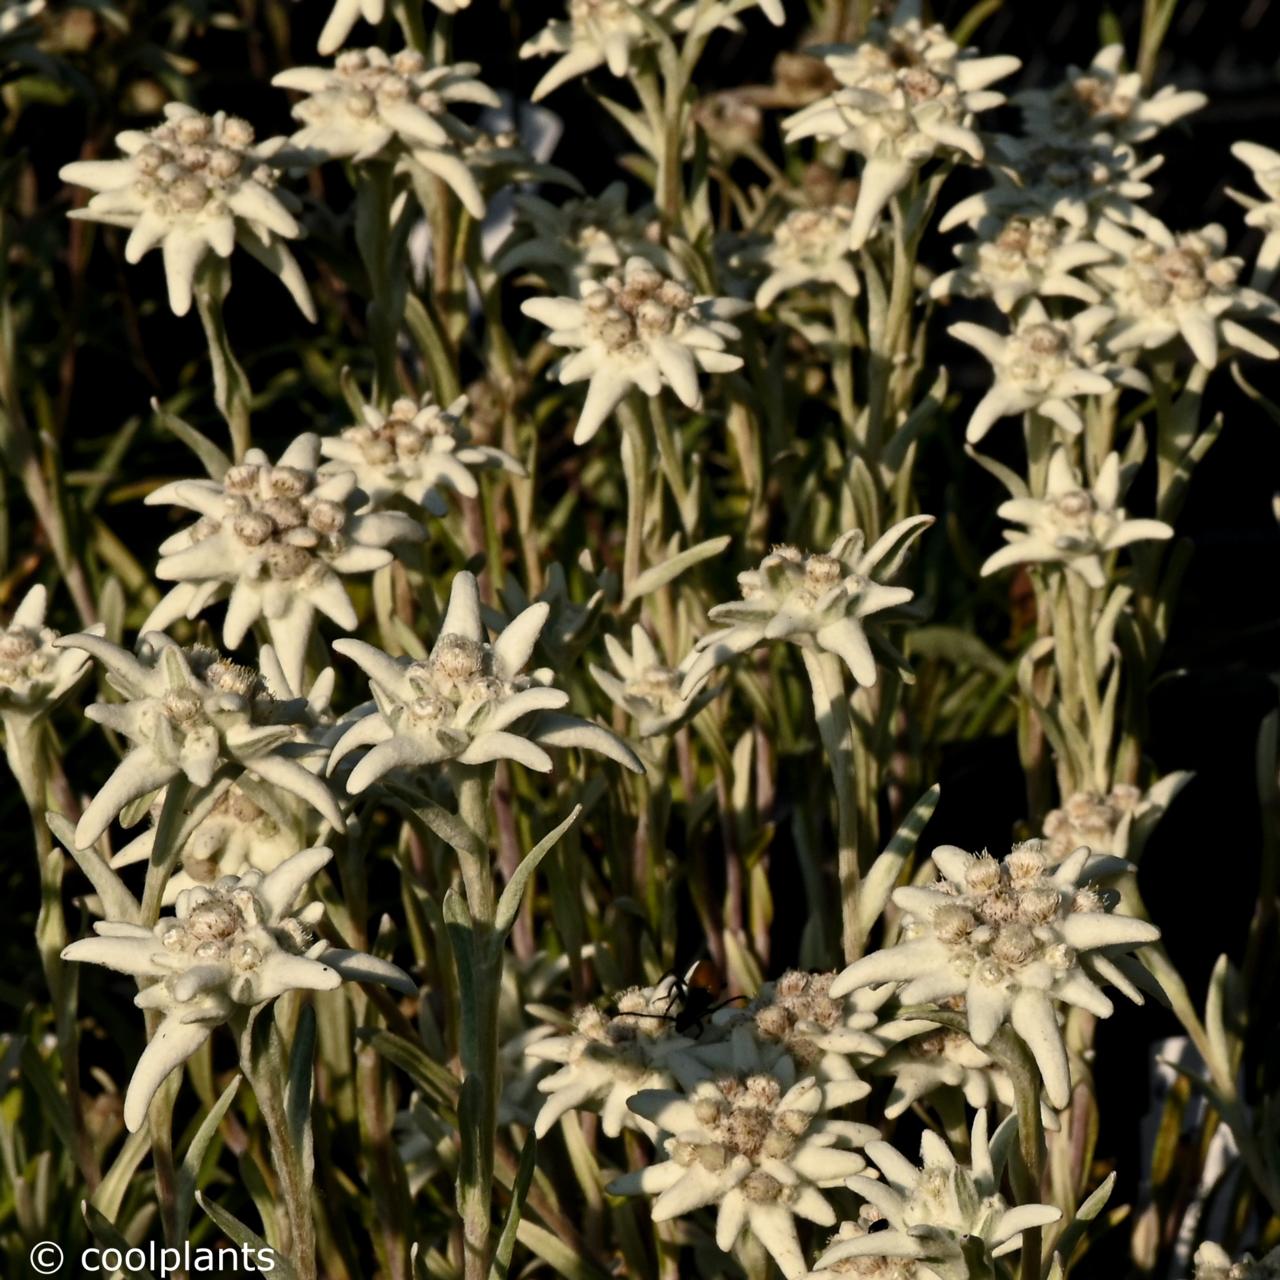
118	903
509	902
193	1158
239	1234
110	1237
885	872
672	567
519	1190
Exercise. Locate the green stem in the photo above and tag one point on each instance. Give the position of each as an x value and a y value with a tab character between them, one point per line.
230	383
671	462
480	1023
831	707
165	849
375	191
268	1075
635	469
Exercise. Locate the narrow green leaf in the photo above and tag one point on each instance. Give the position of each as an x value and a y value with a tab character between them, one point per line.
509	902
660	574
239	1234
520	1189
197	1149
887	868
110	1237
212	458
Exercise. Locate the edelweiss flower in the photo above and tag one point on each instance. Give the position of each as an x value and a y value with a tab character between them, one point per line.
1104	100
1071	525
347	12
611	1055
188	713
1213	1262
1021	258
1082	182
796	1017
610	32
817	600
1263	214
808	247
418	449
192	185
1015	939
942	1217
907	94
1165	284
372	106
468	701
758	1144
277	540
637	330
1042	365
582	237
645	687
35	674
238	942
1115	826
930	1057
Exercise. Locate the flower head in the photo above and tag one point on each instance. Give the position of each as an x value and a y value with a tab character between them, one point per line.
1115	826
938	1216
1016	939
611	33
1043	364
346	13
237	942
796	1017
759	1145
907	94
1213	1262
469	701
610	1055
1102	99
188	713
819	600
35	675
193	185
1264	214
375	106
808	247
1080	181
582	238
277	538
638	329
1071	525
1022	257
418	448
644	686
1163	285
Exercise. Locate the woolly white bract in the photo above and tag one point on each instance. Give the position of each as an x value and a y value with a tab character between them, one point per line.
195	185
1015	939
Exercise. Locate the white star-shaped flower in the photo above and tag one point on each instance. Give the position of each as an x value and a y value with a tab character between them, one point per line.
1018	258
374	106
1102	99
1043	365
755	1143
941	1218
820	600
1115	826
468	701
276	541
611	33
907	94
417	449
35	674
644	686
188	713
640	329
195	185
611	1055
237	942
1080	181
1071	525
1016	939
1164	284
1264	214
808	247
